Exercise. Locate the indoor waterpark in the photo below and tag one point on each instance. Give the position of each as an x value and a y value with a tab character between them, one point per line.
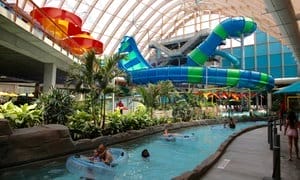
145	89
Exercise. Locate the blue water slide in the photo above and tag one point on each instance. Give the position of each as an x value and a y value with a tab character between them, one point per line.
135	60
204	75
229	28
234	60
141	72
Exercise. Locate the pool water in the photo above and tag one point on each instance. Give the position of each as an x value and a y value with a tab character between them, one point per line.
167	158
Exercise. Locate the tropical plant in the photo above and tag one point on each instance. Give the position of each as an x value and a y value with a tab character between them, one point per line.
81	126
122	90
21	116
117	123
277	100
194	102
57	105
114	123
93	77
150	94
192	99
166	89
182	111
83	76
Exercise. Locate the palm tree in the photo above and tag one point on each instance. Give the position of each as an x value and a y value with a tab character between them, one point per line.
93	77
166	88
83	74
107	71
149	95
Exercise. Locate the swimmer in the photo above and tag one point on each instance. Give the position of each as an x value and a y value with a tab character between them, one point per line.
167	134
145	153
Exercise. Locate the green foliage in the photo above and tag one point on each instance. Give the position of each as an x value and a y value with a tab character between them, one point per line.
123	90
57	104
166	90
182	111
162	120
139	119
81	125
150	94
93	77
141	109
277	99
206	104
21	116
114	123
192	99
117	123
209	115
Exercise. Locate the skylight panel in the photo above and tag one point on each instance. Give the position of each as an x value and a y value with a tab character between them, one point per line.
112	8
131	31
82	9
161	9
108	48
101	4
38	3
103	21
126	8
69	5
147	12
136	16
50	3
90	20
112	26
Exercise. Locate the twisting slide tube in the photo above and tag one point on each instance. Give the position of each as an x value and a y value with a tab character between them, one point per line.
229	28
141	72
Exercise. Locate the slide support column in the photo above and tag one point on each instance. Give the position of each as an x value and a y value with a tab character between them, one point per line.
49	76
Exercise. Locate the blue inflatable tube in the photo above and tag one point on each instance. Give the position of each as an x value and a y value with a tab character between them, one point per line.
175	137
186	137
168	138
81	166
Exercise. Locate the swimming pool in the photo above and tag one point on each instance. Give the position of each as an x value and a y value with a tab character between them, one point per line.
167	158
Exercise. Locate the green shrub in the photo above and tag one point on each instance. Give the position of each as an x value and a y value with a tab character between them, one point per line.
114	123
81	125
117	122
57	104
182	111
21	116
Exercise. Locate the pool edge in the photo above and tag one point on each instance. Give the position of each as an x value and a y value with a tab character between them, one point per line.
204	167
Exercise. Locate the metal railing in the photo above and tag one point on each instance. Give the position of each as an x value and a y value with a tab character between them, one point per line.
274	142
19	13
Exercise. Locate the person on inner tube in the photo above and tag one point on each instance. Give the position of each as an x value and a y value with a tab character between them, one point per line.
95	156
104	154
167	134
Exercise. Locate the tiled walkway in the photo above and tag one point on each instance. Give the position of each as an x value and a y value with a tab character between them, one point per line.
249	157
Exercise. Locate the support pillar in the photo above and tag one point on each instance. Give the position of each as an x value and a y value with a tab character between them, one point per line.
269	102
49	76
243	63
257	102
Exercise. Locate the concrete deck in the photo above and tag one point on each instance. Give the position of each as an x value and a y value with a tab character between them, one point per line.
249	157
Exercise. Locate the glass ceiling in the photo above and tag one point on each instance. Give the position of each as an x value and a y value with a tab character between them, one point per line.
147	20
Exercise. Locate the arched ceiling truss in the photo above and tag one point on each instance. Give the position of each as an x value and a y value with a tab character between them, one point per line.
148	20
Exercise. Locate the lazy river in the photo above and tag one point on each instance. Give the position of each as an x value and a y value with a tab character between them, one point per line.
167	158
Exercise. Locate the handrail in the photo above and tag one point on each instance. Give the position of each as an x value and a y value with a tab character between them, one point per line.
17	11
51	20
